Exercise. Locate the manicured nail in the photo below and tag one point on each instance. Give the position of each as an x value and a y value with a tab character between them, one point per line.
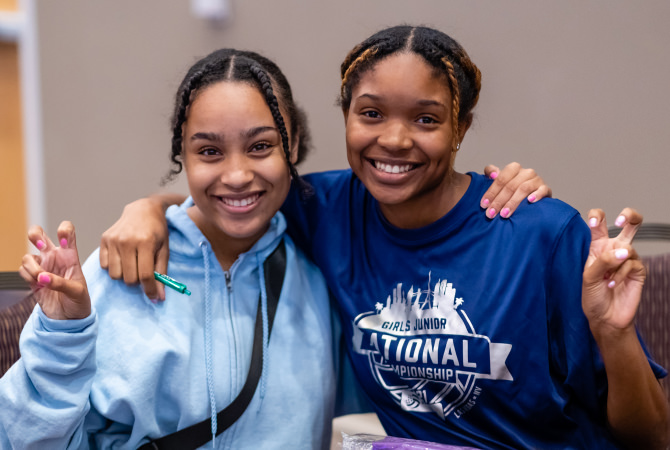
493	175
485	202
611	284
63	242
154	301
44	278
491	213
621	253
531	198
593	222
619	221
40	244
505	213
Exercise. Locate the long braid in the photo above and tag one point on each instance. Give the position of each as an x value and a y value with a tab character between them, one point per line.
455	101
273	104
184	99
368	53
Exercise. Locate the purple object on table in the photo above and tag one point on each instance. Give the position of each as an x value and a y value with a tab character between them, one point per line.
374	442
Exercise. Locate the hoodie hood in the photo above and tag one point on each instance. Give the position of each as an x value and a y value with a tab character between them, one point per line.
186	238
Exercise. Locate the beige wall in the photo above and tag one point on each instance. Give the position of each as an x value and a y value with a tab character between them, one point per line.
577	90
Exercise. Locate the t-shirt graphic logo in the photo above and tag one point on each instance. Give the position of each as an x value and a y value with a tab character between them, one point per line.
425	352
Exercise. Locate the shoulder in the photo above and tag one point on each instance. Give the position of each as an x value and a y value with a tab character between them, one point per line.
107	293
300	265
332	182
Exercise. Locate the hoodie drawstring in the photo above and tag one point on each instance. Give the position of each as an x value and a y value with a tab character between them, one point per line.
208	343
266	338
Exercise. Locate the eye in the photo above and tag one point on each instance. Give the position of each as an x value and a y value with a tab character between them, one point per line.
261	148
426	120
209	151
372	114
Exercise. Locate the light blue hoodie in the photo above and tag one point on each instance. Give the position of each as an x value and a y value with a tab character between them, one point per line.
134	369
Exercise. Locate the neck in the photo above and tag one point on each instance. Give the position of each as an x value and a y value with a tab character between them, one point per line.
429	207
226	248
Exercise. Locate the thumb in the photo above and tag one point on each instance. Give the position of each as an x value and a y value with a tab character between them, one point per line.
73	289
607	262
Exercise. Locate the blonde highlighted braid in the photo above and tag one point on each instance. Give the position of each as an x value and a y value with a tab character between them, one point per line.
351	67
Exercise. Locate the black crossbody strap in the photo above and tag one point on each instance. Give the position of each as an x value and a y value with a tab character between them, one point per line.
199	434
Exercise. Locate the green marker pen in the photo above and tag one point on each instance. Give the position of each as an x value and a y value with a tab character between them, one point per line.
172	283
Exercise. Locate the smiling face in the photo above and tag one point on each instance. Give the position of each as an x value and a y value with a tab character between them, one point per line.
235	165
399	140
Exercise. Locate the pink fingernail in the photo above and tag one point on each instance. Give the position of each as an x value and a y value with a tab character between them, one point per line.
154	301
44	278
531	198
491	213
593	222
40	244
485	202
63	242
611	284
505	213
619	221
493	175
621	253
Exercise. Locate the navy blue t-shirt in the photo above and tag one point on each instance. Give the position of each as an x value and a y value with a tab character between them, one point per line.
468	331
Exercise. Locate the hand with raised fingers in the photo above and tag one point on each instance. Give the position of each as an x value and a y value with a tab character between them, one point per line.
510	187
136	245
55	274
613	274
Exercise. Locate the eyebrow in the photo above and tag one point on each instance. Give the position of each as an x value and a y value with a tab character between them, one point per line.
215	137
422	102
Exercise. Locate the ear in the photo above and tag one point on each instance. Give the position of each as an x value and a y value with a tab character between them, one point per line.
464	126
294	148
345	113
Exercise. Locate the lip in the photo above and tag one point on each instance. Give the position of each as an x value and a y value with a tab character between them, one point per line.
239	203
391	171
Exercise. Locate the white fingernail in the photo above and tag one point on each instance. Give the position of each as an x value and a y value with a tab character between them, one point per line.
593	222
621	253
611	284
619	221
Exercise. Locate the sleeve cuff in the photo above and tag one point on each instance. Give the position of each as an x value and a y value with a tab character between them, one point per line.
64	326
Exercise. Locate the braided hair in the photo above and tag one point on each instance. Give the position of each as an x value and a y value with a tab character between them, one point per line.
248	67
440	51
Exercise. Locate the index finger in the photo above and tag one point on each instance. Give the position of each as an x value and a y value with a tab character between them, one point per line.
630	221
39	239
145	271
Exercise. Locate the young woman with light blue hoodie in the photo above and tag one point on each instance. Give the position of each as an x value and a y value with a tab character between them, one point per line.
104	367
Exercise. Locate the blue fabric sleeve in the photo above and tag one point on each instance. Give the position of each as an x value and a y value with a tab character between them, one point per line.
45	395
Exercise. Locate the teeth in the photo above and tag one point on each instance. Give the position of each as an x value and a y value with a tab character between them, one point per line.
388	168
244	202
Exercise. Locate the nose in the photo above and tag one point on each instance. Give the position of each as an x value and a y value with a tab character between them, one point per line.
395	135
237	171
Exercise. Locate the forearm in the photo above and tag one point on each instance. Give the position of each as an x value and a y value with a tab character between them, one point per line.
637	409
166	199
45	395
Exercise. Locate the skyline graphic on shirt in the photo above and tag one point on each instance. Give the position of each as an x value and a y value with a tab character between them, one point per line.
424	351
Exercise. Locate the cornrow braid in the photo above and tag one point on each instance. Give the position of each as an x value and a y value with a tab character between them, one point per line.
184	100
351	67
455	101
271	99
